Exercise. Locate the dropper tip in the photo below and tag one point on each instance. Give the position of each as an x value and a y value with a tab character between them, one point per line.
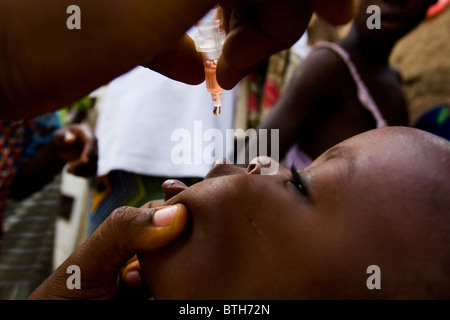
216	111
217	102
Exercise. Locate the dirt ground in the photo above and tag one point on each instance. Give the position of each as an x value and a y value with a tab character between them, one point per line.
423	58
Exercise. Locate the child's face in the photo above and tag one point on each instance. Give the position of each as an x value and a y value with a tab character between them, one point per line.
397	17
257	236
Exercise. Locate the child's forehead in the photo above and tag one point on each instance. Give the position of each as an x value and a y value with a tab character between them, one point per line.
389	149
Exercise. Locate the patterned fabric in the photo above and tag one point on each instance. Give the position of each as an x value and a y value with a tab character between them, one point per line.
436	120
11	146
121	188
260	90
19	141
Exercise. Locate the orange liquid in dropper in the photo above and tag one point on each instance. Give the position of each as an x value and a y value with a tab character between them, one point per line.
212	86
210	74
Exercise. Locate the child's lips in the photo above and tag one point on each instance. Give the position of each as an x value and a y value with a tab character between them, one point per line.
172	187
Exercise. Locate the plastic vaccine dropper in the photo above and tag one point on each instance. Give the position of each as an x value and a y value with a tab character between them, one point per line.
209	40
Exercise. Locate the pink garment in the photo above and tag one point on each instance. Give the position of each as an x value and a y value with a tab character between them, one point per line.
297	157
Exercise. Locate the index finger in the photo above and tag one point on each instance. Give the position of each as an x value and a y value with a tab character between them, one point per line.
271	27
268	28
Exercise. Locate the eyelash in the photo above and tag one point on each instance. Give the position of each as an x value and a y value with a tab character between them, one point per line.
297	181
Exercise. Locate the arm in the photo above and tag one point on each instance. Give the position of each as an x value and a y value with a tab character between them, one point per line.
75	144
36	172
304	99
45	66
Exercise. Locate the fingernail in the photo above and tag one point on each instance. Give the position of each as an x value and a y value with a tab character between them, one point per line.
165	216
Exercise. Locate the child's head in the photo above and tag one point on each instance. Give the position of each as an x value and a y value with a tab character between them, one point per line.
397	17
379	198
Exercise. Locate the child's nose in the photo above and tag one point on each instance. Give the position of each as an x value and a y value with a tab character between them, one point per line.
263	165
224	167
